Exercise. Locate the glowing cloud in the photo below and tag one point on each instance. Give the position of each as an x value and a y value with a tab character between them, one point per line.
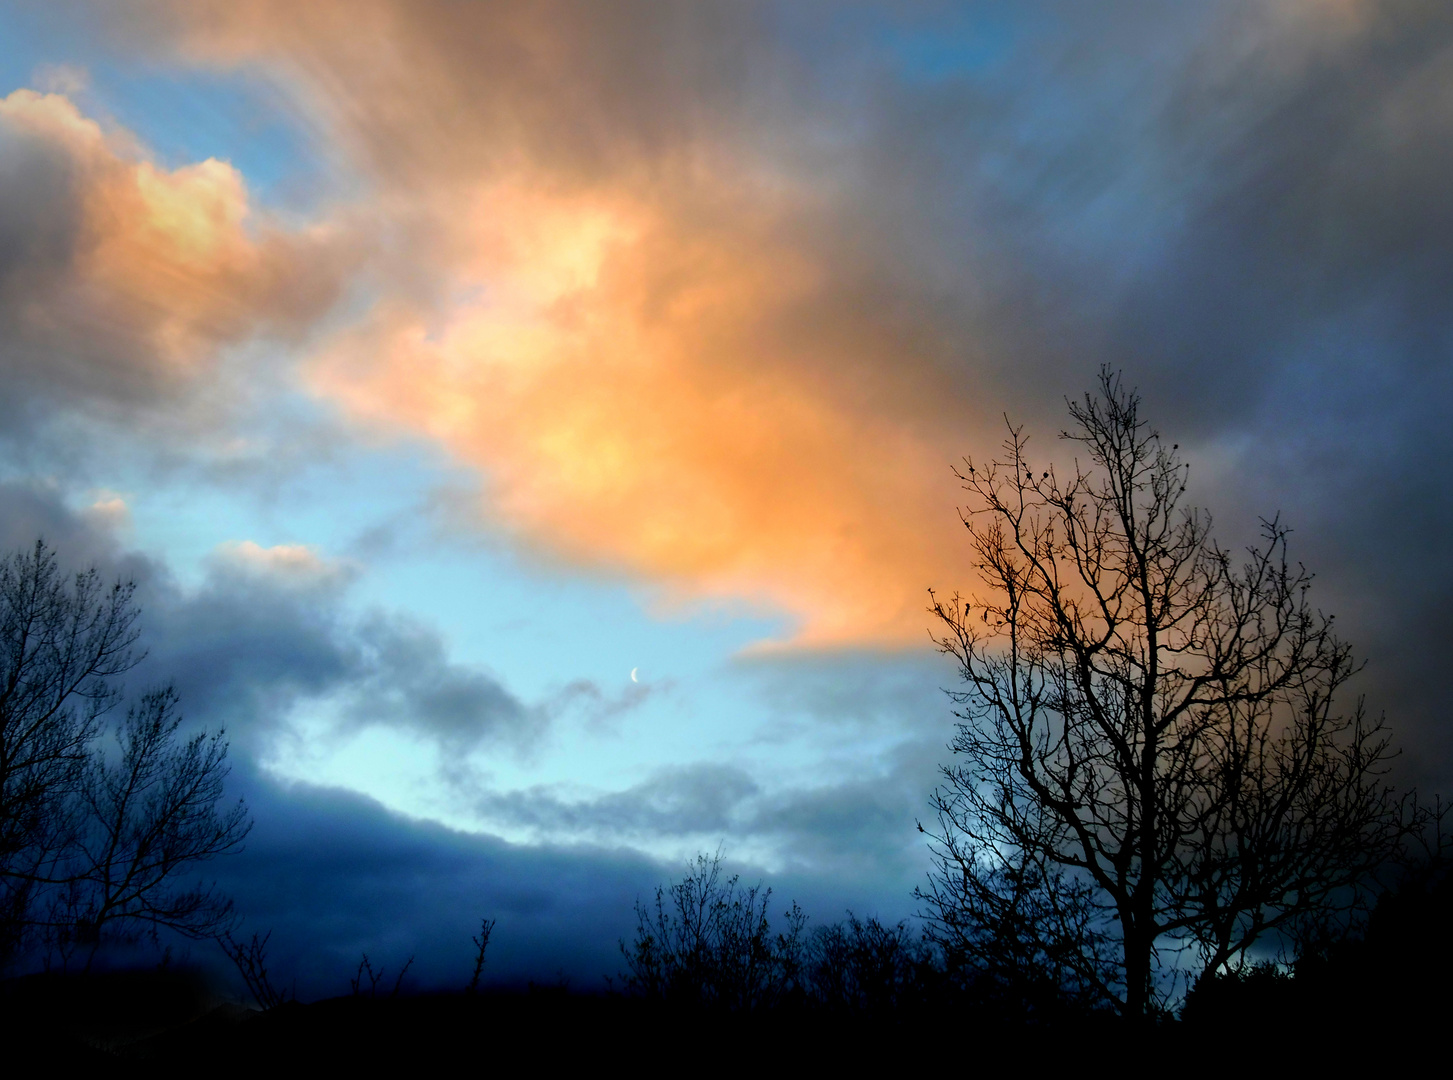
129	275
620	381
650	338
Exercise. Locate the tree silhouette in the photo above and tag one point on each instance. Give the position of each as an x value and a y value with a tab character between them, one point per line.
93	842
1152	760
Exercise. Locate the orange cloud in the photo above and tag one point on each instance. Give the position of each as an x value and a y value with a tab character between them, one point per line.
626	383
654	340
134	271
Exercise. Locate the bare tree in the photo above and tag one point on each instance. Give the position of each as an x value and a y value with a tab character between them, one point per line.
144	817
1153	762
59	644
92	842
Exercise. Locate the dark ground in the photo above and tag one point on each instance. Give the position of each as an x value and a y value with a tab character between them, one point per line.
171	1020
1379	999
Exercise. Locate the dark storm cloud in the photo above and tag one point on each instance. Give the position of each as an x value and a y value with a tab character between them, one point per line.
334	875
1244	207
1298	300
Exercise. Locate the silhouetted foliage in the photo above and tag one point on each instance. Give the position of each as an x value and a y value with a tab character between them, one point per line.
1393	969
865	966
93	839
707	942
1153	758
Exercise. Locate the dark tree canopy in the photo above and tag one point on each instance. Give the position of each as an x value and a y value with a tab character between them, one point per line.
95	832
1152	759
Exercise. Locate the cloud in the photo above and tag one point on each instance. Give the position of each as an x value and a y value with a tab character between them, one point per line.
858	826
404	677
120	279
676	802
717	309
602	710
630	327
333	874
713	300
269	633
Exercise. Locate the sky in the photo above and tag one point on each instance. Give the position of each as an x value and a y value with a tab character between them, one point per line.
531	425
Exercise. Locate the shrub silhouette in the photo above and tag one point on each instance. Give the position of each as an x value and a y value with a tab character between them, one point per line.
865	966
707	942
1392	970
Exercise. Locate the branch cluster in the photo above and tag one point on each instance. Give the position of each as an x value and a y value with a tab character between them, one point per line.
93	836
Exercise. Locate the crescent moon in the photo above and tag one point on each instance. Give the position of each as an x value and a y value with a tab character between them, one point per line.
633	675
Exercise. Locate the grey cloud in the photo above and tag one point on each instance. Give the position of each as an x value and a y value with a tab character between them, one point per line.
246	648
678	801
403	670
252	650
861	827
852	690
603	712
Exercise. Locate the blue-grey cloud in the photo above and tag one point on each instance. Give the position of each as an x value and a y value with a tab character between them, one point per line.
251	644
859	827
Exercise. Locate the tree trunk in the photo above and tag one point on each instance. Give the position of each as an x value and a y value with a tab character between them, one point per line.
1138	946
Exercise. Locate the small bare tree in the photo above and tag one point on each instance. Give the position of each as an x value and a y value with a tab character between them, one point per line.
92	843
60	643
481	944
868	967
1152	757
250	959
366	970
